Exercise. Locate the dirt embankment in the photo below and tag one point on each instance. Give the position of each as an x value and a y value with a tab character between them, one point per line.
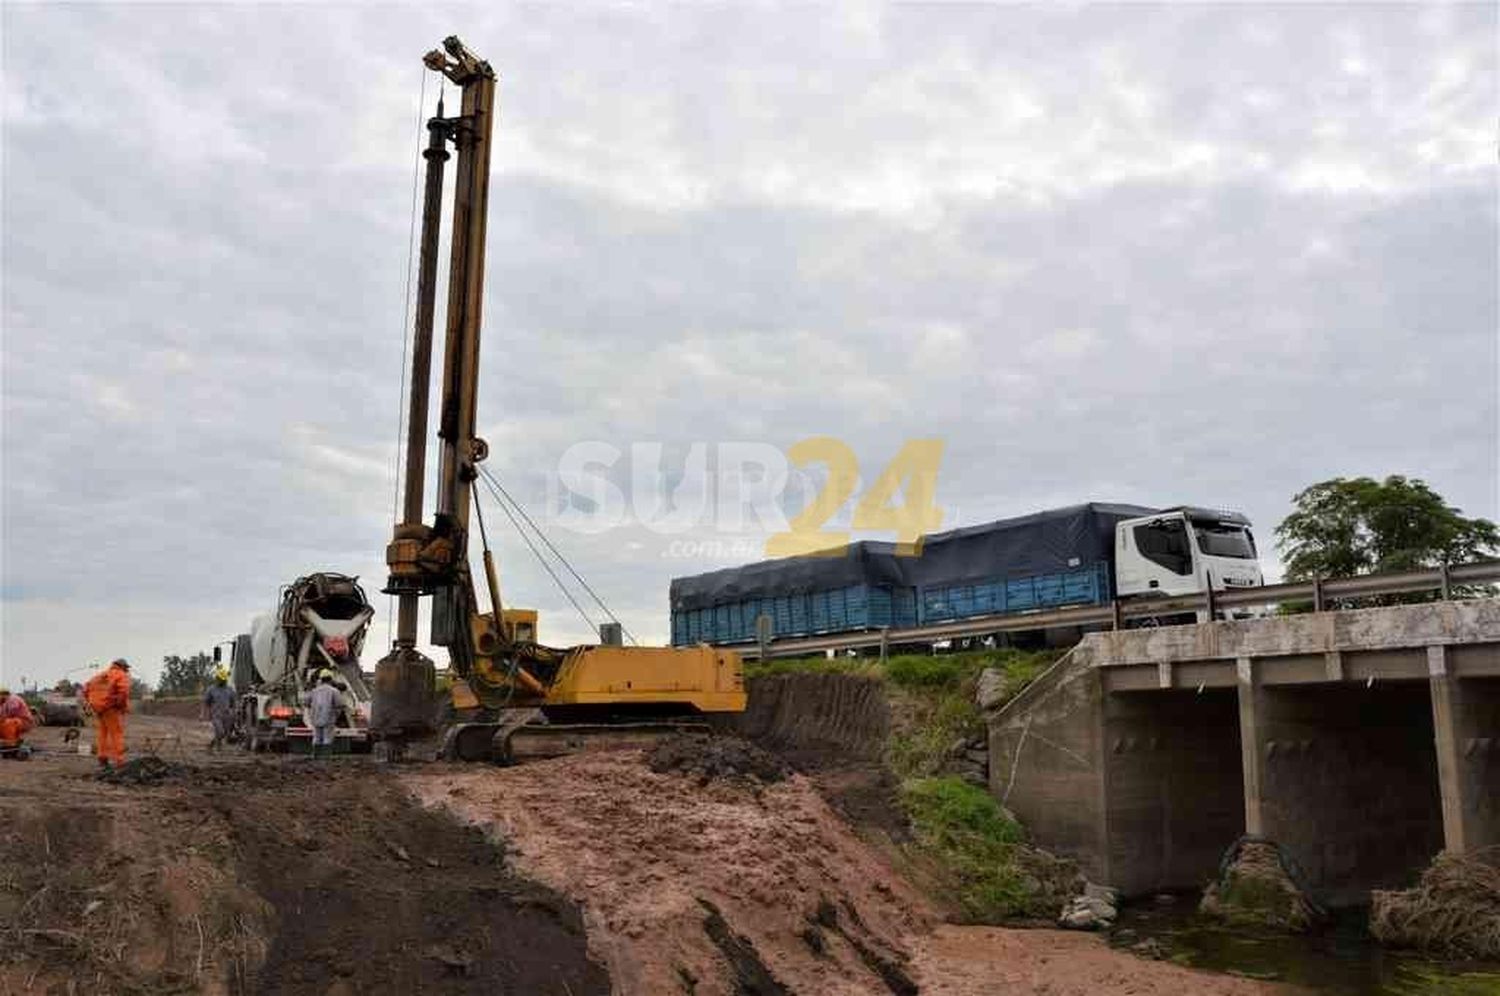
816	718
834	728
279	877
688	885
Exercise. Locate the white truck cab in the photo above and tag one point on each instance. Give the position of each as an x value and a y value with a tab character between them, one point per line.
1182	551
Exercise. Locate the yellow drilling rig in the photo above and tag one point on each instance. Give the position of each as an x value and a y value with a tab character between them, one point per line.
510	697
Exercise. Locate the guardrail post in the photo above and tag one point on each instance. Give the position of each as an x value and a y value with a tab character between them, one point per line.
1317	584
764	631
1443	575
1119	617
885	643
1208	600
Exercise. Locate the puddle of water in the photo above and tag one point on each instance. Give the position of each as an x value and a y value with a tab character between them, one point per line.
1341	959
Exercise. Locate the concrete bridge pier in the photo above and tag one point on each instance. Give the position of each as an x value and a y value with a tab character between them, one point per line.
1466	715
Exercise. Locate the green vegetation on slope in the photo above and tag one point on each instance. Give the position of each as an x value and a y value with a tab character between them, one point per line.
933	706
974	849
965	832
977	848
814	665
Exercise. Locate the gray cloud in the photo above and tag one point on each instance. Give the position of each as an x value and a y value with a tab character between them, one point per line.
1204	254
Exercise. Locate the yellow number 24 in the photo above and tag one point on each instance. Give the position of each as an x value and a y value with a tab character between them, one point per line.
912	471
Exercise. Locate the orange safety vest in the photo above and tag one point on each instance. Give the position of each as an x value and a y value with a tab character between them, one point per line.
108	690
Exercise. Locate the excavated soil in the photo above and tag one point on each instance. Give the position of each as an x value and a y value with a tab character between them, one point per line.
687	886
282	877
711	757
834	728
814	718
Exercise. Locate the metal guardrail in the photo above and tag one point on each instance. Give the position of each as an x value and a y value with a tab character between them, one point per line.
1116	614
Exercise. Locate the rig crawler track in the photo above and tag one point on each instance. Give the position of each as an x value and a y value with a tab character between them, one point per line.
513	743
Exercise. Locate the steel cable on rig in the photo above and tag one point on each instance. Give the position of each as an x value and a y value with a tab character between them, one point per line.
495	483
593	627
406	316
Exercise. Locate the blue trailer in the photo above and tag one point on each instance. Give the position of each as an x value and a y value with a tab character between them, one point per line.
1046	560
857	588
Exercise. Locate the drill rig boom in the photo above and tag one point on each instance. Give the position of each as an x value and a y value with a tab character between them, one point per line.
493	656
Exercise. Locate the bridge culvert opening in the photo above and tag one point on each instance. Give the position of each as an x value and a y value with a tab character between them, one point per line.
1350	783
1174	788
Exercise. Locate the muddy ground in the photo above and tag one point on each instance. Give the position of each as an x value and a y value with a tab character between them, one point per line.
652	858
580	875
245	876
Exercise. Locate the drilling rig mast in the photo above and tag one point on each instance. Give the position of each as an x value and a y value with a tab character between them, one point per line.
494	660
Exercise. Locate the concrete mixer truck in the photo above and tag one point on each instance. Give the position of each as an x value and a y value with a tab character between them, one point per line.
319	624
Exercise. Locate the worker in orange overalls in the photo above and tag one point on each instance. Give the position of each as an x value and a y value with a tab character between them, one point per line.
108	694
15	721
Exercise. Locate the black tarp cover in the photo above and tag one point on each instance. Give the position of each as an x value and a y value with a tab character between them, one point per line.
1041	543
865	562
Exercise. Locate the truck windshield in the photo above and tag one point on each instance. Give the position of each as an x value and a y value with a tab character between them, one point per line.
1219	539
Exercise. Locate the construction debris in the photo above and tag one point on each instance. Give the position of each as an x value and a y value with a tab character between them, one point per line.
711	757
1453	910
141	771
1095	909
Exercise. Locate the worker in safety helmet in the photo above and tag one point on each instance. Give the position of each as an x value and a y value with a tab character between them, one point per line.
15	722
108	695
341	654
323	703
219	701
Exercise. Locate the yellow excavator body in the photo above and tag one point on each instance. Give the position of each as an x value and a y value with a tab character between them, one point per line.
709	679
678	679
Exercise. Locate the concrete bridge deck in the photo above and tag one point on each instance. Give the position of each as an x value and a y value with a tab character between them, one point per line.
1365	741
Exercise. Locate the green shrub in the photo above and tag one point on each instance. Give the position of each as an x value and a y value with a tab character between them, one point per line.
953	811
814	665
925	725
931	670
976	848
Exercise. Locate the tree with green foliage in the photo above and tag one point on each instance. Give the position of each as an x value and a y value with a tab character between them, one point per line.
182	676
1348	526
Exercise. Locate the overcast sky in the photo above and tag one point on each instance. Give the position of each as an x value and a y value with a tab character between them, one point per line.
1204	254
